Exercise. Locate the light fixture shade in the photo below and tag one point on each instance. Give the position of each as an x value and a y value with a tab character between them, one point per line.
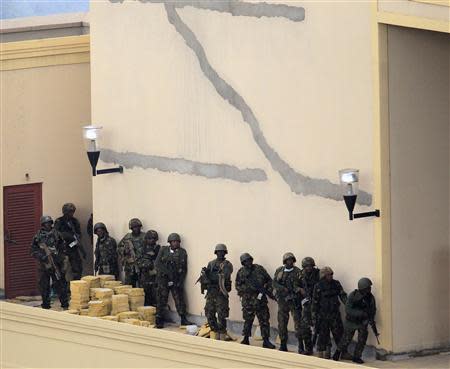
349	179
91	136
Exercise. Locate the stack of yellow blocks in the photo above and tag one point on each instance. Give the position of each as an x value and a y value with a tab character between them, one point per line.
119	304
128	315
92	280
147	313
136	298
97	308
105	295
79	295
104	278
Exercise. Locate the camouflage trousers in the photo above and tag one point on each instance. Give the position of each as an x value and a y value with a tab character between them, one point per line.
217	309
251	306
46	277
349	332
305	327
284	308
109	269
131	277
326	325
163	297
150	289
76	264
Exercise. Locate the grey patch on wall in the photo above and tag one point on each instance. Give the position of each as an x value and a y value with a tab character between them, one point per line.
183	166
299	183
239	8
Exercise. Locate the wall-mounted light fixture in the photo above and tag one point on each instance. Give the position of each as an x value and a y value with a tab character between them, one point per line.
349	179
91	134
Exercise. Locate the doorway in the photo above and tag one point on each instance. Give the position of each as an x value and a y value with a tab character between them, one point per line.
22	209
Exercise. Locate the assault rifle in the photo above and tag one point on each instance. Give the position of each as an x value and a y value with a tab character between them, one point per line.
373	325
51	263
261	289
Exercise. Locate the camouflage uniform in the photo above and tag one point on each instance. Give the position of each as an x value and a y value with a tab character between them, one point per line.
146	264
360	311
129	250
55	244
171	270
249	285
288	301
326	313
106	256
308	281
216	301
71	232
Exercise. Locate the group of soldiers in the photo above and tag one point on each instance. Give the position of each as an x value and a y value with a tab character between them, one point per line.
311	295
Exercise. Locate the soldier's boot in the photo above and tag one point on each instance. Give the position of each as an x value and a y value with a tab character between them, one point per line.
267	343
337	355
46	306
308	347
320	354
357	360
345	355
283	346
245	341
327	354
301	348
159	322
184	320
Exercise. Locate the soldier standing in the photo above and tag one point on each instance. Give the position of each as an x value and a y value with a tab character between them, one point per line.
360	312
146	264
286	284
216	279
310	276
48	248
69	228
171	270
326	313
253	285
105	252
129	249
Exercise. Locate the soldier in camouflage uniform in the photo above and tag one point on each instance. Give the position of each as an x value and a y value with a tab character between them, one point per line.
326	312
146	264
253	285
360	311
129	250
171	270
105	252
286	284
216	279
70	230
309	278
48	248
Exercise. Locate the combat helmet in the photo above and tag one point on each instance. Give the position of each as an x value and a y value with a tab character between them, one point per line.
152	234
46	219
68	207
135	222
100	225
174	237
325	270
308	261
289	255
364	283
221	247
245	256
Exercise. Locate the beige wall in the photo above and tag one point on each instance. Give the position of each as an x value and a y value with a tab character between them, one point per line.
419	122
309	85
42	112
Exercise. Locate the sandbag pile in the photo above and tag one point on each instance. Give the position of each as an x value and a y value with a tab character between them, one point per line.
119	304
79	295
104	278
147	313
92	280
97	308
136	298
128	315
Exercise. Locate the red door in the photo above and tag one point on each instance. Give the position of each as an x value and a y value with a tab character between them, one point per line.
21	213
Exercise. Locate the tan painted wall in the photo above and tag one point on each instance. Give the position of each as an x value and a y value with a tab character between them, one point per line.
414	8
46	339
309	84
42	112
419	121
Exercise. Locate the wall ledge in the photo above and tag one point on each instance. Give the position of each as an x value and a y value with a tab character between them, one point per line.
27	324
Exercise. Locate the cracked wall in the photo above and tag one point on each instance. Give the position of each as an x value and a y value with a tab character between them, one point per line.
282	99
